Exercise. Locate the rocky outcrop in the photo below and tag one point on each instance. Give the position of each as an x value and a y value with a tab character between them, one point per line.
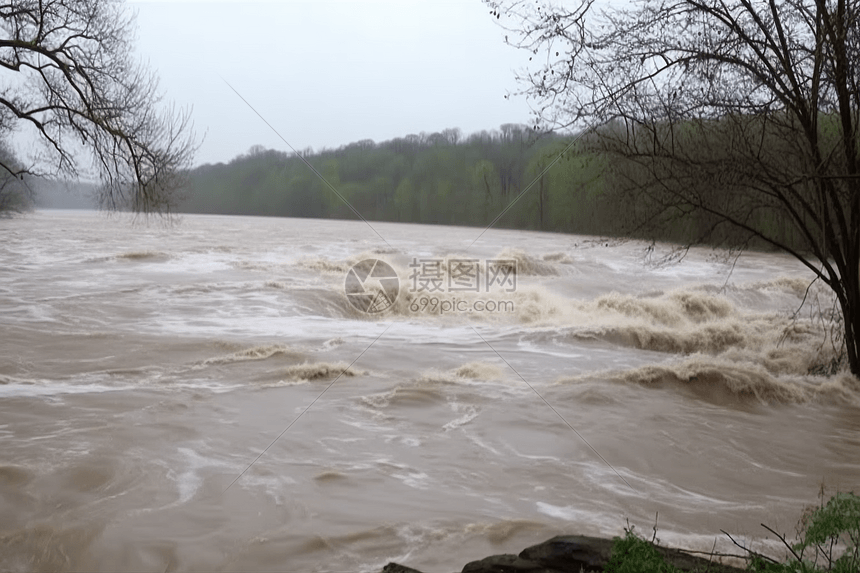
396	568
571	554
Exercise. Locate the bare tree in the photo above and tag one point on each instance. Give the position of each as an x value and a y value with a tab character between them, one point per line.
739	114
78	86
16	194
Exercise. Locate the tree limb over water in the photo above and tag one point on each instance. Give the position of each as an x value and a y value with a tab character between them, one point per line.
71	79
722	114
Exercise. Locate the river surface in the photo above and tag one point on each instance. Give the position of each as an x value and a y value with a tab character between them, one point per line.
205	395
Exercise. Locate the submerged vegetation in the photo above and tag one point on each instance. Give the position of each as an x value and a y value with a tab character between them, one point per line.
828	541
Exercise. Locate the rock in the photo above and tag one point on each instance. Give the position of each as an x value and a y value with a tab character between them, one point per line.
570	553
396	568
558	555
505	564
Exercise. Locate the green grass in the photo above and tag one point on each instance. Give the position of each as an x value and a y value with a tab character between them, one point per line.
828	541
634	554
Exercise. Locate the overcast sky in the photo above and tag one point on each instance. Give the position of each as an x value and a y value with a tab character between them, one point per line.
326	73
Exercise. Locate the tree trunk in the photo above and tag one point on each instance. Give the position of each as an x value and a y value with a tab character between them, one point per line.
848	293
540	204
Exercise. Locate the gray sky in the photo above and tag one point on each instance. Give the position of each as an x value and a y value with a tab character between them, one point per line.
326	73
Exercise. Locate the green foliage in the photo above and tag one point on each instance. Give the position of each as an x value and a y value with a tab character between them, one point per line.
634	554
760	565
825	532
437	178
835	525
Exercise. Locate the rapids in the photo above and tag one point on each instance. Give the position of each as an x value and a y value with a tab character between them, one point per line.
205	396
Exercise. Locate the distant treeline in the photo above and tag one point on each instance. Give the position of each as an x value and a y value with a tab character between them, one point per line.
439	178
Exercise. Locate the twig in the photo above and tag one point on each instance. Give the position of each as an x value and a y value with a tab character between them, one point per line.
784	542
710	558
714	553
654	537
750	551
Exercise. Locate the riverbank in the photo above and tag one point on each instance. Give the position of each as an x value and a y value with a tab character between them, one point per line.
572	554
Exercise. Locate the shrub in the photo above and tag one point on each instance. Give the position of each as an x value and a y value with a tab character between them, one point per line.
634	554
829	542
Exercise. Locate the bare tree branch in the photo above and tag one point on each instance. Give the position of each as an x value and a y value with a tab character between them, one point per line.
71	77
715	114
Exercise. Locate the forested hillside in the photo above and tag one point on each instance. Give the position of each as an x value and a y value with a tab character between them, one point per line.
445	178
440	178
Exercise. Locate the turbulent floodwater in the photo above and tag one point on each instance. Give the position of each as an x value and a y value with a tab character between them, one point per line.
152	379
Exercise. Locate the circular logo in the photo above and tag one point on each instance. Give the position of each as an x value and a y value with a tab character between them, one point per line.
371	286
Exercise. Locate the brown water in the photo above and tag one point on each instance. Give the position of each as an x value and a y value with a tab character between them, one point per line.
144	370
